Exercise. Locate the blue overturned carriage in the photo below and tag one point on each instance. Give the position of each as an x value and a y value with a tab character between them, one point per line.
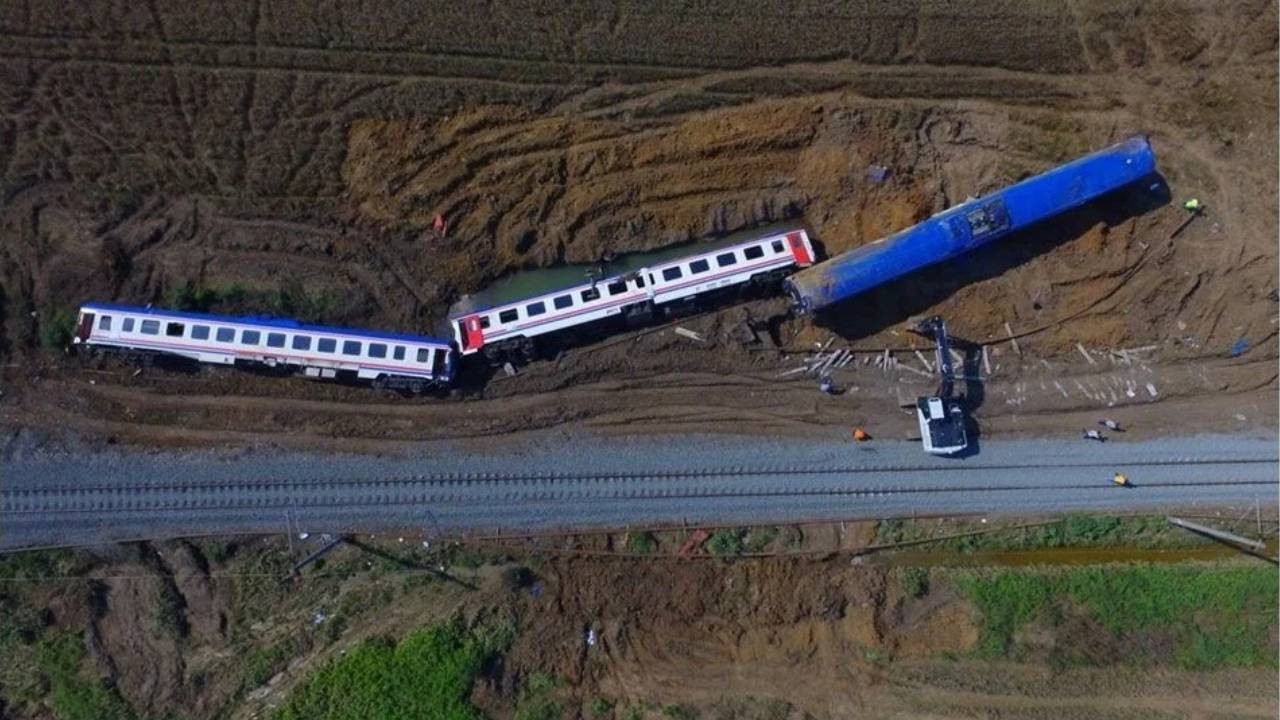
972	224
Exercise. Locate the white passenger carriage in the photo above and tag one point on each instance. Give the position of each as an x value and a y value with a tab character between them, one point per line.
506	325
316	351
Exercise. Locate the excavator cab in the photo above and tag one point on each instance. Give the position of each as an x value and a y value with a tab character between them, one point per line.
941	418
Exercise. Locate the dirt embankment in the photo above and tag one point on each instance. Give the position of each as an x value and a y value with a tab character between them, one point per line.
215	629
321	152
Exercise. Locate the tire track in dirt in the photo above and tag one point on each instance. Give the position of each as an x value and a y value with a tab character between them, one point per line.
308	60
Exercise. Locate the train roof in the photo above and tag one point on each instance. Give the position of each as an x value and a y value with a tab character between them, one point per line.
528	284
262	321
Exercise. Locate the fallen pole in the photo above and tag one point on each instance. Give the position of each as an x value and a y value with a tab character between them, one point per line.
1220	535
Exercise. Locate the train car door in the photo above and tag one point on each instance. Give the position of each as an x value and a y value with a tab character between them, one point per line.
85	327
798	249
472	333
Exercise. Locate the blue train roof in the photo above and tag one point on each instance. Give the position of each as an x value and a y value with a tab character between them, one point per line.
266	322
972	223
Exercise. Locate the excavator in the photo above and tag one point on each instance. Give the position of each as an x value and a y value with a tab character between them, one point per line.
941	417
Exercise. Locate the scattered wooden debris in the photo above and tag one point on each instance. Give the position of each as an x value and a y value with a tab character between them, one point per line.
927	365
685	332
986	360
509	369
908	368
1085	353
1009	331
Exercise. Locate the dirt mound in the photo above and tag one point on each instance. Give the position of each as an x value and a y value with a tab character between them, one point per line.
700	632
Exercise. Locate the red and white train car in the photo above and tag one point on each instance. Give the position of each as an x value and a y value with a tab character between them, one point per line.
503	322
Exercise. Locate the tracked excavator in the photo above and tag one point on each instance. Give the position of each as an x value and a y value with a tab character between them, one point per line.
941	417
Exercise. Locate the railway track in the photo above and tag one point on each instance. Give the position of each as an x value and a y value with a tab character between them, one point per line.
85	500
866	481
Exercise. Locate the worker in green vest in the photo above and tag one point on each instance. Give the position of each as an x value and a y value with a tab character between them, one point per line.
1193	205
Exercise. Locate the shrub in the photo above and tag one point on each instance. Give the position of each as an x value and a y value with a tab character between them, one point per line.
725	543
680	712
641	543
601	707
759	538
57	328
915	581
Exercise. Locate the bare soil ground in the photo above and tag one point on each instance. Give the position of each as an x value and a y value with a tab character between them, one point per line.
305	151
213	629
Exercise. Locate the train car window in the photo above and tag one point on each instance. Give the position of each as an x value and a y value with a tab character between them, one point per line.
398	353
104	322
754	252
617	287
225	335
639	281
563	302
507	316
590	294
301	342
777	246
699	266
424	355
175	329
484	322
151	327
377	350
275	340
250	337
350	347
535	309
200	332
128	325
672	273
726	259
327	345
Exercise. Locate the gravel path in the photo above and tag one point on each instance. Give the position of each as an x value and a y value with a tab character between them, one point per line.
556	480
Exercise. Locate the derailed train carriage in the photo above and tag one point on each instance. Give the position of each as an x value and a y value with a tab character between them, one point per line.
507	321
411	362
972	224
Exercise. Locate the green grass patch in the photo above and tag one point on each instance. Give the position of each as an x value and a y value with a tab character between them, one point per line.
426	676
1221	617
37	564
536	700
1077	530
71	695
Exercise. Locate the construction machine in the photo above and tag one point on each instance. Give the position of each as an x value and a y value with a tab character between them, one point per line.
942	419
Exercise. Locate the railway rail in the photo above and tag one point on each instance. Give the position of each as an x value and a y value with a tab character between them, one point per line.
44	504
